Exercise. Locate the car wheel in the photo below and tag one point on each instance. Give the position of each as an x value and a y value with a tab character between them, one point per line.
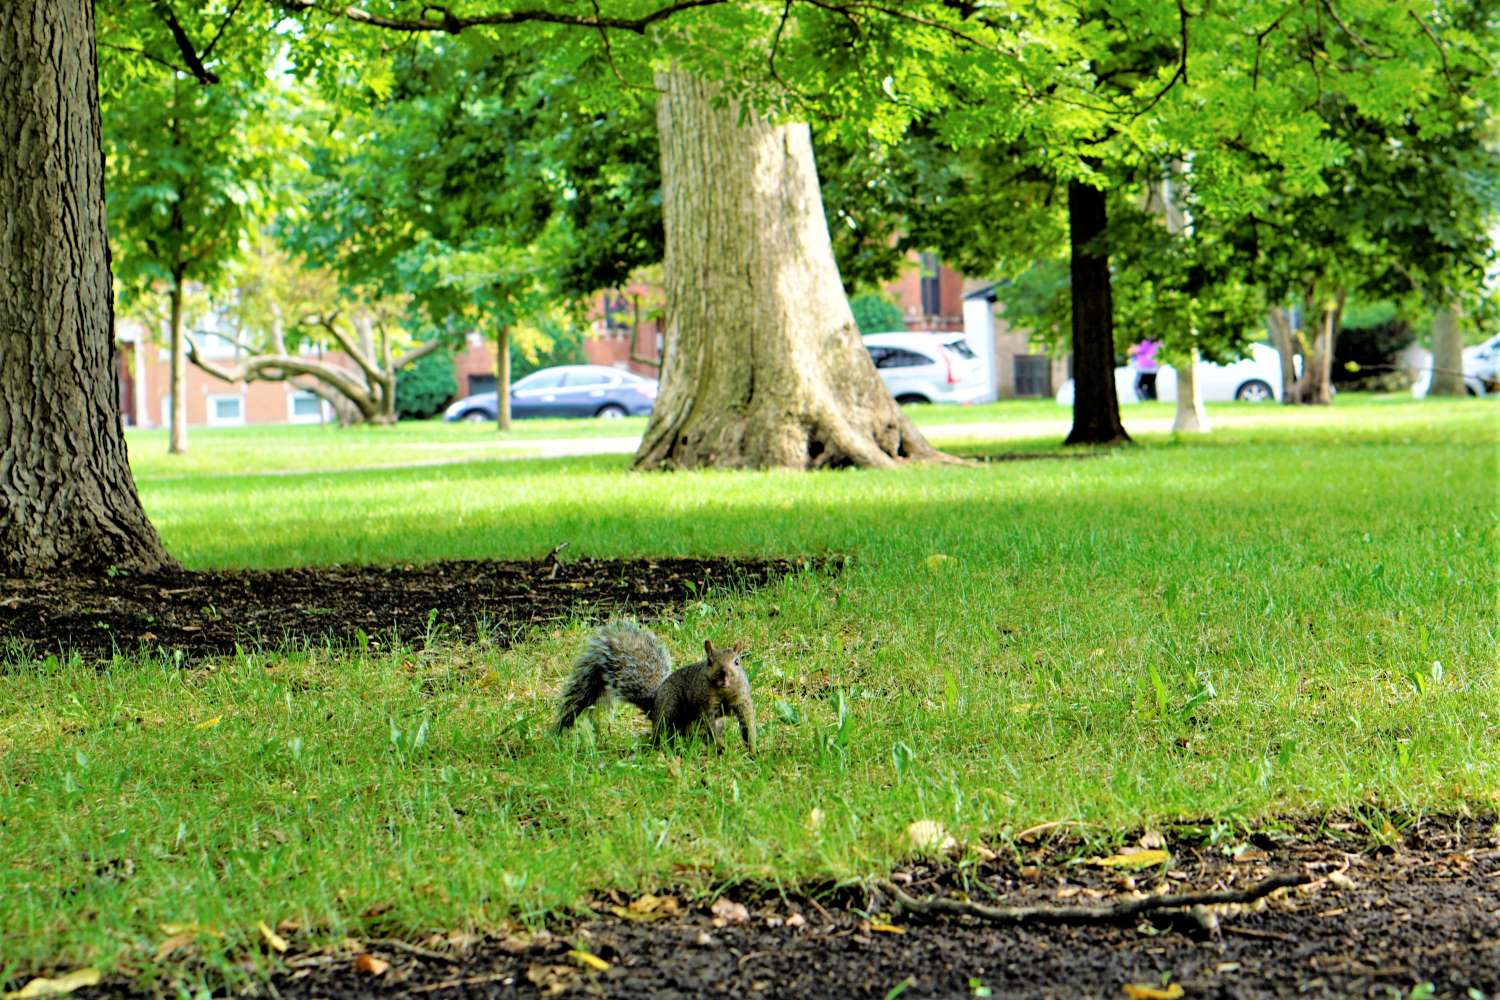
907	398
476	417
611	411
1254	391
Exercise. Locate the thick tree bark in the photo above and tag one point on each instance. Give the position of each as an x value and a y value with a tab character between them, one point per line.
67	498
1447	354
502	379
177	443
763	365
1190	417
1096	407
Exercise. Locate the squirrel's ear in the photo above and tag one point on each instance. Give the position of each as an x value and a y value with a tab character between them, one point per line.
708	649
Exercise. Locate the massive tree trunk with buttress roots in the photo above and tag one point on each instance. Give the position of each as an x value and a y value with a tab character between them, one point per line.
763	365
67	498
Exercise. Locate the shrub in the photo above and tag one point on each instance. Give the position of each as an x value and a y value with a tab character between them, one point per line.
424	388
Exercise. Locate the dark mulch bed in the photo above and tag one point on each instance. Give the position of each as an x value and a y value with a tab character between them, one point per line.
1424	909
205	614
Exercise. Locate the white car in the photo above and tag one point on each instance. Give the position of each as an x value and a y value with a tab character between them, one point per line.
1256	379
1481	370
927	367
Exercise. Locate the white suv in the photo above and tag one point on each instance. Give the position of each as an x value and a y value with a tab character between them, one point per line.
1481	370
927	367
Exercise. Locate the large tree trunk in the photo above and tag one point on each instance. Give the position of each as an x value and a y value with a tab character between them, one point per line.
177	442
763	365
1447	354
67	499
502	379
1096	407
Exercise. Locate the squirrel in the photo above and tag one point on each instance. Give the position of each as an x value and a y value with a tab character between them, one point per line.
625	661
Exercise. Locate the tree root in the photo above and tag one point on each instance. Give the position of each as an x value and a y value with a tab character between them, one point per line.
1083	915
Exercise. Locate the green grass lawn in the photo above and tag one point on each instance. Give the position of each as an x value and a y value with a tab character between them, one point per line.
1293	616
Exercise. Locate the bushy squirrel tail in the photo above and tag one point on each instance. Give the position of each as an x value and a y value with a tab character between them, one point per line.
621	658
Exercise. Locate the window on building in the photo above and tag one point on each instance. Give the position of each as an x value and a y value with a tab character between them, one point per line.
932	285
1033	375
481	383
226	411
304	408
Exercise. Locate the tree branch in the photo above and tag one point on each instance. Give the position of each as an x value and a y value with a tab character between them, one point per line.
346	345
144	55
1354	36
415	354
208	50
195	66
452	23
1180	72
280	368
1437	43
1081	915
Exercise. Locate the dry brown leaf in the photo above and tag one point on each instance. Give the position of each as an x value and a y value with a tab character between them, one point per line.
649	907
927	836
370	965
1132	859
462	940
589	959
275	941
1340	881
179	940
552	979
43	987
1245	854
729	911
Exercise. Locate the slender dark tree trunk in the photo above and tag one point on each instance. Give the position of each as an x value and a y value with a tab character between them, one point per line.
1096	408
502	379
67	499
763	366
178	435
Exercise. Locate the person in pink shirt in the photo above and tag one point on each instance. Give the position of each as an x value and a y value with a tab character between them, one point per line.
1143	359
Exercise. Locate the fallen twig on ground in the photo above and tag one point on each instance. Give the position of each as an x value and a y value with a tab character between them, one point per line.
1118	913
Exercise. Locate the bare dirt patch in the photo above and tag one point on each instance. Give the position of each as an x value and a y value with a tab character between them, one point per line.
1423	908
206	614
